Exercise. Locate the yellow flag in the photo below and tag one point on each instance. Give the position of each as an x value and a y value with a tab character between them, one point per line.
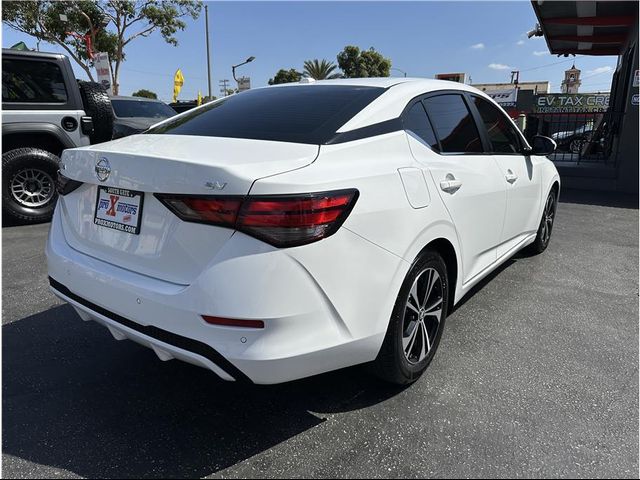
178	81
199	98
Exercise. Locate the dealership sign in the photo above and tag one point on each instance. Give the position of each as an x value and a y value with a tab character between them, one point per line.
571	103
101	62
505	98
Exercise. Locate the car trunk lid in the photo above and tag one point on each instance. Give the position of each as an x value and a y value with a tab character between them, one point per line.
165	247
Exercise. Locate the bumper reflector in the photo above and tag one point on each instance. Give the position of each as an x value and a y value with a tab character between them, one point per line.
233	322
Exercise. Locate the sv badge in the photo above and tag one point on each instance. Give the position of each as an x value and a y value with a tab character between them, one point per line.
215	185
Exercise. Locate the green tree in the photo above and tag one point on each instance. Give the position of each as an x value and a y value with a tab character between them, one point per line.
356	63
143	92
285	76
320	70
110	24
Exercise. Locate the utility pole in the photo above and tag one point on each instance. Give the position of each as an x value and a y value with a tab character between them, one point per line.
224	87
206	19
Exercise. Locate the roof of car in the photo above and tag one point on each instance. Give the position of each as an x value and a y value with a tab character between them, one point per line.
391	104
380	82
32	53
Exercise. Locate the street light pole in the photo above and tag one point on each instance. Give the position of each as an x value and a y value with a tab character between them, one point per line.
206	19
233	67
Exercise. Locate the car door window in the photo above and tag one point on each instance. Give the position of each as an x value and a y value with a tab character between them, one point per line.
32	82
453	124
415	120
502	134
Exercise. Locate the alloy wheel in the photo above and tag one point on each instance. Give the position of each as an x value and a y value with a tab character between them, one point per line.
547	218
422	314
576	145
32	187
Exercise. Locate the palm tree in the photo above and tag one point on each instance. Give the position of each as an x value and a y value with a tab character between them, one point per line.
320	70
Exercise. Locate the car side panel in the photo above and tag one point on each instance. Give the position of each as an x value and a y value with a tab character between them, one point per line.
50	121
382	216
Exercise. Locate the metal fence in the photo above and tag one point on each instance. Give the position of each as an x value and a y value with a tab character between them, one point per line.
581	137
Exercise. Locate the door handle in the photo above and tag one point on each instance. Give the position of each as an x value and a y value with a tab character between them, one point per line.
511	177
450	185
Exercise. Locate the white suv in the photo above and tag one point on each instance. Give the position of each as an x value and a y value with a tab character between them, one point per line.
291	230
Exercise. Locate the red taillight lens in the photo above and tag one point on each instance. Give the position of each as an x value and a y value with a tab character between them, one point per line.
216	211
282	221
293	220
65	185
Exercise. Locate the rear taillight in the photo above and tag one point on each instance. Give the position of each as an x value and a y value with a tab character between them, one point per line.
282	221
65	185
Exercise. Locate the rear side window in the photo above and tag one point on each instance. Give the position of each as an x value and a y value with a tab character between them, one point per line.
301	113
503	137
453	123
415	120
29	81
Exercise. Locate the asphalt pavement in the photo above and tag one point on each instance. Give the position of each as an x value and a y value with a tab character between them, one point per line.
536	376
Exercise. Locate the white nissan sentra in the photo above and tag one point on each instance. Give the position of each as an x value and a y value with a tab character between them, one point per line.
292	230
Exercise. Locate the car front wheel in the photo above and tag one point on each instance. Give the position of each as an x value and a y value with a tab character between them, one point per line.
416	323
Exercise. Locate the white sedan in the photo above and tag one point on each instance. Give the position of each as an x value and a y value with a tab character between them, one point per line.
292	230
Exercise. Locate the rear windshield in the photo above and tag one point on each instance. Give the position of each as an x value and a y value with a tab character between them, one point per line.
141	108
301	114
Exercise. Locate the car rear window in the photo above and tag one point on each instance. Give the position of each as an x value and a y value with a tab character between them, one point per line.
32	81
141	108
300	113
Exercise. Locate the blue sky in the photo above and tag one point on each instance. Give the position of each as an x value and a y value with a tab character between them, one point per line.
484	39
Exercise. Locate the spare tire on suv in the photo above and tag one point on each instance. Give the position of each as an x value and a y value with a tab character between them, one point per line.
97	105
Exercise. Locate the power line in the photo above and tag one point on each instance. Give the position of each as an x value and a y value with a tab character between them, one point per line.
548	65
158	73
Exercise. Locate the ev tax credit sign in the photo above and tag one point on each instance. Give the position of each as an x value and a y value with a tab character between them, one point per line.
571	103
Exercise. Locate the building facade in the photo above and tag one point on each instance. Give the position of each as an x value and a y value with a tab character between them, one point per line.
536	87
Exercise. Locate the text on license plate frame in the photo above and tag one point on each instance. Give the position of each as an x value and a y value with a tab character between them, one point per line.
116	208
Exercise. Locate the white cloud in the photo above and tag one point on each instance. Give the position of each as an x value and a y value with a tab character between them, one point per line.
478	46
539	53
599	70
499	66
520	42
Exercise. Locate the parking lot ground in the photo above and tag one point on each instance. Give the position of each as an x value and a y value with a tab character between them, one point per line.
536	376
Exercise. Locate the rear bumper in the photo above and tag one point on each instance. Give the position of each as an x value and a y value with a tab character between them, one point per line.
307	331
167	345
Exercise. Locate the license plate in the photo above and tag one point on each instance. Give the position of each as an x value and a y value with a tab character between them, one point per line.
119	209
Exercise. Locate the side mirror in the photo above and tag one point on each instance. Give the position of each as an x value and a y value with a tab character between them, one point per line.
542	146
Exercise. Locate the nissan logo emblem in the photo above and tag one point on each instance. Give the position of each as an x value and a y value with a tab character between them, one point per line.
103	169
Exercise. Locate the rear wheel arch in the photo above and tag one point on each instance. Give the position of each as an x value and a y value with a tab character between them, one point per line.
448	253
41	139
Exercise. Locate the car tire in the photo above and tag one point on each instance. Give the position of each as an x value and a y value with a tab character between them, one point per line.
405	353
28	184
545	228
575	146
97	105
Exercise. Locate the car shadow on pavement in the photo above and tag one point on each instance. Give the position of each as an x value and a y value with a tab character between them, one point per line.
75	399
